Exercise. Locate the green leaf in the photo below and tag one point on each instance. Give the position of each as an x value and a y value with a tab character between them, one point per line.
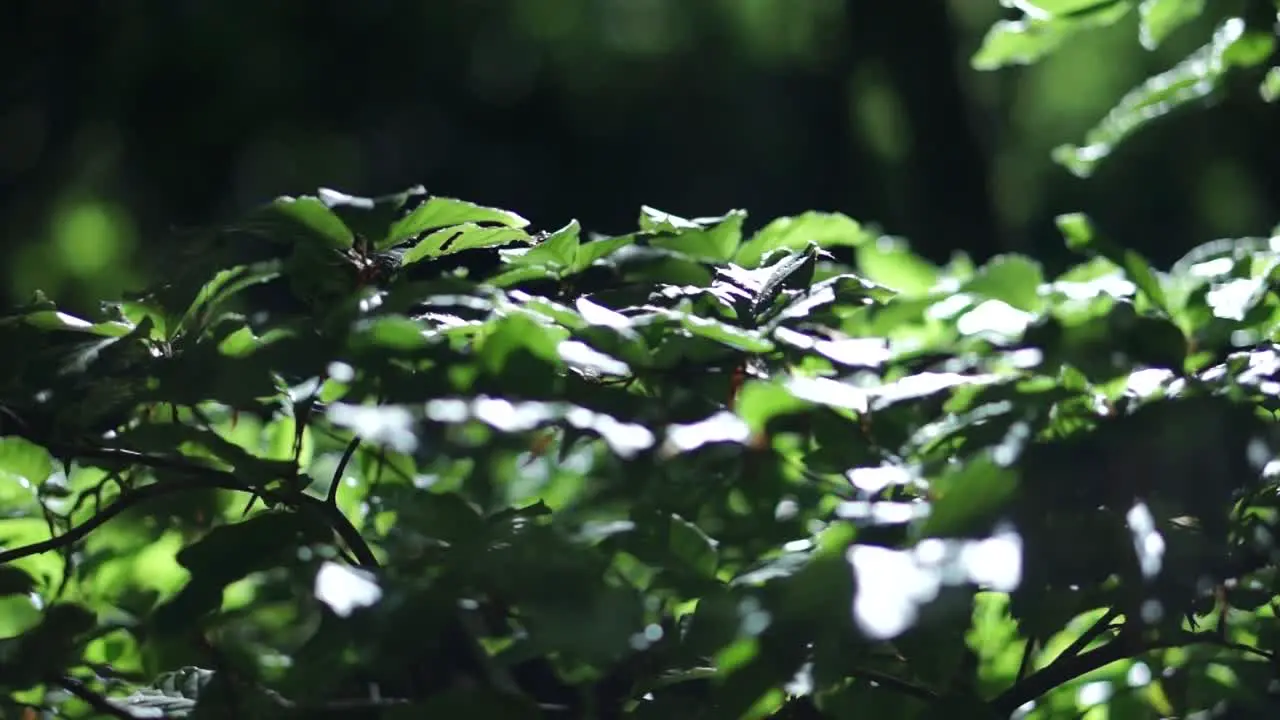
728	335
443	212
969	499
1043	31
599	248
1270	88
1194	78
1080	237
889	262
24	463
1159	18
795	233
689	543
227	554
224	285
305	221
57	320
558	252
370	218
707	239
759	402
1013	279
392	332
466	236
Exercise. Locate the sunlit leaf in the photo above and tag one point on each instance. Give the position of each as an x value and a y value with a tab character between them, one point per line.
1192	79
442	212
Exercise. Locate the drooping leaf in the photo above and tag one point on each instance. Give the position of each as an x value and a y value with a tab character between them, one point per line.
1194	78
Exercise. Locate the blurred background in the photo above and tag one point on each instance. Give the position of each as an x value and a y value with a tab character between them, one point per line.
121	121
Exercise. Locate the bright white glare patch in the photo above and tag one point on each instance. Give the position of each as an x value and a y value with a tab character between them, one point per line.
507	417
344	589
388	425
721	427
341	372
332	197
1139	675
1145	382
597	314
1212	268
873	480
579	354
1147	541
1025	358
826	391
865	352
891	587
881	513
1230	300
1114	285
1094	693
925	383
949	308
995	562
994	316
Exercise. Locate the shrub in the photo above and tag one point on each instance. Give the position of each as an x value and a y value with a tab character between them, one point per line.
403	457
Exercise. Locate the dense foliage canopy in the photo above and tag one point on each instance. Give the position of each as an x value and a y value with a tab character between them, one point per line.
404	457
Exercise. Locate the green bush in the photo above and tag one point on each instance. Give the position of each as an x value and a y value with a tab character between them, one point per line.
403	457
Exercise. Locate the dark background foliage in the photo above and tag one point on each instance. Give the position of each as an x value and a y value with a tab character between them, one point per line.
119	121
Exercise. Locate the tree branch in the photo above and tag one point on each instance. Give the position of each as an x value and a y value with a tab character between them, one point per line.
1069	667
342	468
75	534
95	700
199	475
894	683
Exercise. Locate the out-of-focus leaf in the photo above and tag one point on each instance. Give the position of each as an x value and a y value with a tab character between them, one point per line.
969	499
24	467
1080	236
463	702
15	581
227	554
1192	79
1270	88
1045	28
889	262
1159	18
1013	279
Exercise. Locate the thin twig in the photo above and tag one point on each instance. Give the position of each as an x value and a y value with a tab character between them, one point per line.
1069	667
1028	652
197	475
1093	633
96	700
894	683
352	446
78	532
